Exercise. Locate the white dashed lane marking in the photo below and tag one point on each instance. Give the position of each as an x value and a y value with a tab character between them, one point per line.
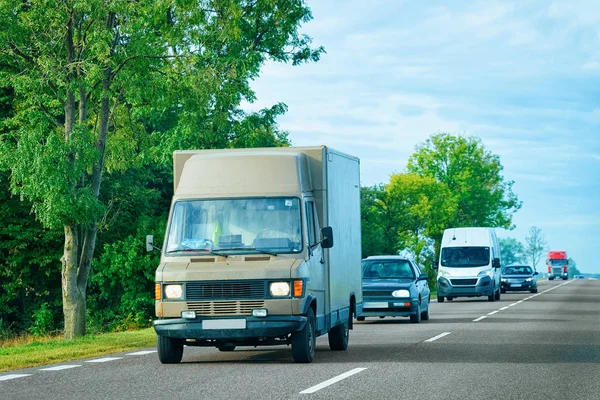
13	376
141	353
59	368
106	359
441	335
332	381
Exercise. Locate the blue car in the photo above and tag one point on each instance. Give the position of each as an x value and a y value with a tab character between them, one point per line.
394	286
519	278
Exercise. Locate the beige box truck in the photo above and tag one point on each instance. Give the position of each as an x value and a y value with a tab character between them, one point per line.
262	247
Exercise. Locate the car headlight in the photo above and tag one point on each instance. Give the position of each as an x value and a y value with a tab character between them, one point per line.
279	289
503	279
528	279
401	293
173	291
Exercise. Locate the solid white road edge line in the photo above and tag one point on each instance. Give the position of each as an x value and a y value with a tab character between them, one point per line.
59	368
13	376
441	335
141	353
332	381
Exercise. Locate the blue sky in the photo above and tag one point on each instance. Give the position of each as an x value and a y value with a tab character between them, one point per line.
524	76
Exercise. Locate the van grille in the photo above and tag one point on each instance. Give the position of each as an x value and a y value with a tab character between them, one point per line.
230	290
463	282
207	308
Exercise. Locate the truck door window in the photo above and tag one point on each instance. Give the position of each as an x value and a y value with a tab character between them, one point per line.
310	222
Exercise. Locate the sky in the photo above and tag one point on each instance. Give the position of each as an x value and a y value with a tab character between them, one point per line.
522	75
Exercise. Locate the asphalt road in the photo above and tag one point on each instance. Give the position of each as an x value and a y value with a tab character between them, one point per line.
544	346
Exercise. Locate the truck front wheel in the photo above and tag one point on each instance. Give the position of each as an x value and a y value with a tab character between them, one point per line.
170	350
338	336
304	341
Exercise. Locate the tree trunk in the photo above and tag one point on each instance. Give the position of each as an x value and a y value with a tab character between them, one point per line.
72	295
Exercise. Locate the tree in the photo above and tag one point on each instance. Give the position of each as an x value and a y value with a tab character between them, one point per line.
572	268
87	75
473	176
420	208
512	251
535	245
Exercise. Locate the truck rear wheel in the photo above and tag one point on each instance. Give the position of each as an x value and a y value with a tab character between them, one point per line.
305	341
170	350
338	336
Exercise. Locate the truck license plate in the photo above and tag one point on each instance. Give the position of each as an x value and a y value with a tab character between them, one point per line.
224	324
375	305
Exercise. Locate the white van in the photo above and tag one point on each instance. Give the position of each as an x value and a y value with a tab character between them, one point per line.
469	264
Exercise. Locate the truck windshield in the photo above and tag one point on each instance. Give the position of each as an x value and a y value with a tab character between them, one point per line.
465	256
235	226
558	262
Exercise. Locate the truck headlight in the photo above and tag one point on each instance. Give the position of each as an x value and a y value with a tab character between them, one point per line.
279	289
173	291
401	293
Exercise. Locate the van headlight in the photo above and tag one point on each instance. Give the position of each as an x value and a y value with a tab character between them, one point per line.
484	273
279	289
401	293
173	291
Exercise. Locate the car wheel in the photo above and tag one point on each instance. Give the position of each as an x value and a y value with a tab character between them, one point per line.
304	341
425	314
502	291
533	290
497	297
170	350
338	336
226	347
450	298
360	319
492	297
440	299
416	317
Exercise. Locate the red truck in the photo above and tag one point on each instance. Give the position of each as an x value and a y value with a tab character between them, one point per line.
557	265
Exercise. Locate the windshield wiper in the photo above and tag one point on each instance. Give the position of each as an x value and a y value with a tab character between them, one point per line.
203	250
252	248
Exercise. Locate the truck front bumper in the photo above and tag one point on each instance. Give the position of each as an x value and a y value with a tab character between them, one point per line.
267	327
484	287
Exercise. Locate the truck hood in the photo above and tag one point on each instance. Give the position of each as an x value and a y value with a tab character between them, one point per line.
231	268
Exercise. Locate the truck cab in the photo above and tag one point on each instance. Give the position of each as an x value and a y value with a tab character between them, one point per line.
557	263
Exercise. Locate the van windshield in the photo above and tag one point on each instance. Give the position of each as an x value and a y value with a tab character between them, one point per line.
235	226
465	256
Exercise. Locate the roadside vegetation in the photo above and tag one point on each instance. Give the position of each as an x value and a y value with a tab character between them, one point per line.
29	351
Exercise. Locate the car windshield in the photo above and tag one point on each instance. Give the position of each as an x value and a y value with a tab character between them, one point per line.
517	271
235	226
465	256
396	269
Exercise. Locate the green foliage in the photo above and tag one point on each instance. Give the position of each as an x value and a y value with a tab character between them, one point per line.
572	268
512	251
472	175
377	235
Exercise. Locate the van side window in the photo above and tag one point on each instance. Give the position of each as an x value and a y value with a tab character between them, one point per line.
310	222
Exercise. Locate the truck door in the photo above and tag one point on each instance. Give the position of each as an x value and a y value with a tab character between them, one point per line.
314	258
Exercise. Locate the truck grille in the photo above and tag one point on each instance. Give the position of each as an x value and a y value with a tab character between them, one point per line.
557	271
207	308
202	290
472	281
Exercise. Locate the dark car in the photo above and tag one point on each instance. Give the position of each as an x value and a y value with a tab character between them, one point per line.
394	286
519	278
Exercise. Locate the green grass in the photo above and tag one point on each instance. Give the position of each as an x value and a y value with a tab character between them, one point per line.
16	354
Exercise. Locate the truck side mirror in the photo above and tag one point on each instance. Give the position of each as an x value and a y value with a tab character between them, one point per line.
150	243
496	263
327	235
